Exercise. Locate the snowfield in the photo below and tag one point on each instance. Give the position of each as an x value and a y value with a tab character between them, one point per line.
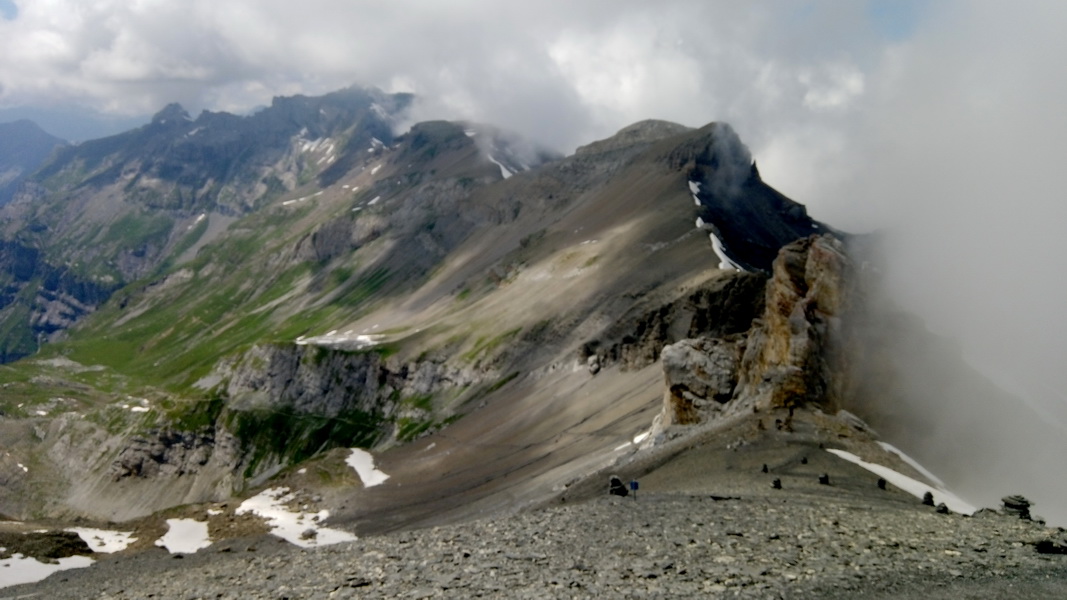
19	569
298	528
185	536
912	486
363	462
504	171
104	540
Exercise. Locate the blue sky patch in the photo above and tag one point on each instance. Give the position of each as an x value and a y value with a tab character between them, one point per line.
8	10
895	19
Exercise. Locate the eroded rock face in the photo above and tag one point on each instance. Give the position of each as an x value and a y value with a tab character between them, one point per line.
169	453
793	355
795	351
722	307
321	381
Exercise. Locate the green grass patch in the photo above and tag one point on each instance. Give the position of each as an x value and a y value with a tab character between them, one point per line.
290	437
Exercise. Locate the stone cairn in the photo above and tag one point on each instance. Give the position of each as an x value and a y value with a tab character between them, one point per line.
1017	506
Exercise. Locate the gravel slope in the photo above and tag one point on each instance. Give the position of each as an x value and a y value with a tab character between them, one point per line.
661	545
706	523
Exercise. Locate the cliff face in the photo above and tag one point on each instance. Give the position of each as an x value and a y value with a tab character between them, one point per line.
794	352
793	355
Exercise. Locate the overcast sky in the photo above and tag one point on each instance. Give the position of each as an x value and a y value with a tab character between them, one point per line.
942	122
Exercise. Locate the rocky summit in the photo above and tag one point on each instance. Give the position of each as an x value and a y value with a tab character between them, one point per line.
421	355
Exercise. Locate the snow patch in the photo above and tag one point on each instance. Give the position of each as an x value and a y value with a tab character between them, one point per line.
19	569
104	540
374	201
912	486
470	132
694	189
911	463
184	536
724	261
332	339
299	528
363	462
375	169
504	171
23	467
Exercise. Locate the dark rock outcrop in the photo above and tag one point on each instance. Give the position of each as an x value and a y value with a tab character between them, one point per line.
723	306
170	453
44	545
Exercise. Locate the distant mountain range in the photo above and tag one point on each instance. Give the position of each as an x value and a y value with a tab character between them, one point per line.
24	147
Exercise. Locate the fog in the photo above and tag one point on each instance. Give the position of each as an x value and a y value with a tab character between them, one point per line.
939	124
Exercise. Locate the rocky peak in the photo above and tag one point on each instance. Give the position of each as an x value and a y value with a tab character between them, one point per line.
642	132
171	113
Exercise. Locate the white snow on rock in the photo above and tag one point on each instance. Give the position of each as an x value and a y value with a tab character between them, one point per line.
104	540
694	188
24	468
374	201
724	261
912	486
301	529
363	462
637	439
346	340
504	171
375	169
184	536
18	569
911	463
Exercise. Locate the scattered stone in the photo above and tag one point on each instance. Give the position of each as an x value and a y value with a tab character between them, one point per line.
1051	546
928	499
881	483
765	468
617	487
593	364
804	460
824	479
943	509
776	484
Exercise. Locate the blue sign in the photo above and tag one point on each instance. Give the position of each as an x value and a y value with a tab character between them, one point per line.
633	485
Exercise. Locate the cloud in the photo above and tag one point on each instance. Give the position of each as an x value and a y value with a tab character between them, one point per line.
561	72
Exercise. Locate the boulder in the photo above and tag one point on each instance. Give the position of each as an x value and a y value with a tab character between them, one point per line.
700	375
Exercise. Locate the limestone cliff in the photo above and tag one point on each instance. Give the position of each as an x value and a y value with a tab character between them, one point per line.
792	356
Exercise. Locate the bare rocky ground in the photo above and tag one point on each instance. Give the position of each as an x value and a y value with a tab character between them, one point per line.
706	522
